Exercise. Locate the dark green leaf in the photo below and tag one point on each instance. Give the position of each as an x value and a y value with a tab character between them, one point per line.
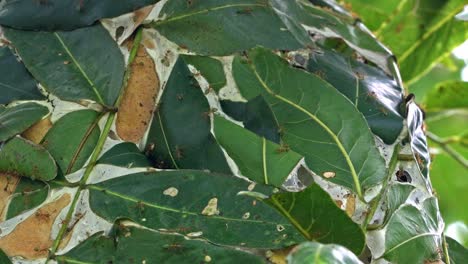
125	154
4	258
212	27
28	194
211	69
194	203
63	14
16	119
256	115
135	245
22	157
180	134
458	253
313	252
316	216
82	64
258	159
413	235
18	84
315	119
375	94
447	95
72	139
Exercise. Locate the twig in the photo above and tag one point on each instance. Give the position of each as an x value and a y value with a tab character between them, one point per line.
453	153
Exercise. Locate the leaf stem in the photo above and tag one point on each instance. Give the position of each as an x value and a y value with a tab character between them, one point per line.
381	195
448	149
97	151
446	253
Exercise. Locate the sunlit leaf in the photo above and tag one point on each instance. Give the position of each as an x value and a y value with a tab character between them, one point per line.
313	252
447	95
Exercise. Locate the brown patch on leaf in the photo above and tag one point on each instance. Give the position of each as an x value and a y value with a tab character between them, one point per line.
38	131
8	185
31	238
138	100
141	14
350	205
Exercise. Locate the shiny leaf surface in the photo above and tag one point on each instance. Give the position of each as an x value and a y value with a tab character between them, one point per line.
313	252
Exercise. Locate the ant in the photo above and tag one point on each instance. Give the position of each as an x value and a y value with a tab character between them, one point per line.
283	148
208	113
179	152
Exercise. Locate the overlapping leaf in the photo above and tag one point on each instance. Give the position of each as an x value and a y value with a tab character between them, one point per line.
16	119
316	120
413	235
313	252
63	14
125	154
213	27
28	194
317	217
24	158
457	252
180	134
132	244
73	65
72	139
375	94
396	196
18	83
196	204
258	159
211	69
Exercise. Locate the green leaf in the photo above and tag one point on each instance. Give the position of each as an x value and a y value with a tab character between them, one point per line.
214	27
18	84
413	235
312	211
415	123
396	195
136	245
376	95
16	119
28	194
180	135
22	157
256	115
313	252
457	252
4	258
63	14
316	120
211	69
72	139
196	204
74	65
447	95
258	159
420	33
125	154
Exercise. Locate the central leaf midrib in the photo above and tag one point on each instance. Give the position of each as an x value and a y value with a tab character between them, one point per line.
290	218
164	208
77	64
327	129
203	11
411	239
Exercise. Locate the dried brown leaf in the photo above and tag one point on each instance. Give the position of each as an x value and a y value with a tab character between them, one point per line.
138	100
350	205
37	131
8	185
31	238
